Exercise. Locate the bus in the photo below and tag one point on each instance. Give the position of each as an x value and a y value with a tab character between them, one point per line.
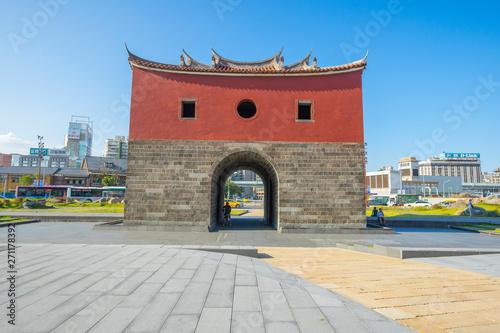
41	192
395	199
92	194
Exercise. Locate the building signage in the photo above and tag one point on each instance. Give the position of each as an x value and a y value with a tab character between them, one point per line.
36	151
58	152
73	134
460	155
404	165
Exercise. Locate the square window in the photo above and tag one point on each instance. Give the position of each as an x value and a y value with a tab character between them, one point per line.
304	110
188	108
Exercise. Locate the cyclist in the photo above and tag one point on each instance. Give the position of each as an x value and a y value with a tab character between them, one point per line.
227	215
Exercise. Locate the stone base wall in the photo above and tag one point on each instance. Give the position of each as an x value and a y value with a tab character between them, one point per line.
320	185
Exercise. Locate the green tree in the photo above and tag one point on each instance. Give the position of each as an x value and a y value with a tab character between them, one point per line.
108	180
233	188
26	180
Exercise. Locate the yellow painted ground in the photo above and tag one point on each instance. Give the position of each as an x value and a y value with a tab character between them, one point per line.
425	297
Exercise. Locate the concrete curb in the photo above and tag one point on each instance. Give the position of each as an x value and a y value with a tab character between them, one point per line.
337	231
4	224
407	253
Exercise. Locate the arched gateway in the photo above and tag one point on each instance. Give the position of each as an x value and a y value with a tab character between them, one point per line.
299	127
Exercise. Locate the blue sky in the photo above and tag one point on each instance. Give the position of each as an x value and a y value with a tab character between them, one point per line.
432	83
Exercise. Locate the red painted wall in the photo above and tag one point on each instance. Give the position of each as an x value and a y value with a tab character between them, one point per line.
338	107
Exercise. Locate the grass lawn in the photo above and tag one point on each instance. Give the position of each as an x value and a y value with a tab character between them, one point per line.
63	207
427	212
237	211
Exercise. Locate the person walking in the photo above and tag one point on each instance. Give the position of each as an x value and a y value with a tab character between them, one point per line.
381	217
471	213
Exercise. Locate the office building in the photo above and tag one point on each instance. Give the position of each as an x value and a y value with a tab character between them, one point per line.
5	159
117	148
464	165
78	141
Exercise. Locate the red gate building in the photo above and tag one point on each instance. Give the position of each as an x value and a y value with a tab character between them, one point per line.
298	126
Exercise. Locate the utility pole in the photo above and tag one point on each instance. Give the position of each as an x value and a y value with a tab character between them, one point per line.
4	183
40	157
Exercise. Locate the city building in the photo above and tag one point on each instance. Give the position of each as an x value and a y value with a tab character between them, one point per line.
116	148
49	175
52	157
409	167
249	183
299	127
464	165
407	181
78	141
493	178
99	167
5	159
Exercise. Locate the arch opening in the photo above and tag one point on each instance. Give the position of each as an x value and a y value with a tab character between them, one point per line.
261	166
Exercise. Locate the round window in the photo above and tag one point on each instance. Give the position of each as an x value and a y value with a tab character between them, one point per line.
247	109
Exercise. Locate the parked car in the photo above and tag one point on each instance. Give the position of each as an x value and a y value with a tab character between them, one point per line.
233	203
376	203
418	204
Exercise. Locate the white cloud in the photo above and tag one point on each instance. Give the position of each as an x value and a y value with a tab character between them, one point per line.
11	143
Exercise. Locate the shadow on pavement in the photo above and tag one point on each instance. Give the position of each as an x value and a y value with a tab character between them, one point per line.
245	223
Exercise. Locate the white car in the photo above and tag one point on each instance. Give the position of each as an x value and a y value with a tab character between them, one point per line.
418	204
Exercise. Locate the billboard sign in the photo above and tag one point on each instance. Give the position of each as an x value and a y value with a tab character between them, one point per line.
74	133
58	152
36	151
460	155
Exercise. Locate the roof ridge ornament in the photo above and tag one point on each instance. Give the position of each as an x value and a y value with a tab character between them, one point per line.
220	65
301	64
364	58
193	63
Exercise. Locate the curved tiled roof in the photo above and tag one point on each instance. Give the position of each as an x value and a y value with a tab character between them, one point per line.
265	67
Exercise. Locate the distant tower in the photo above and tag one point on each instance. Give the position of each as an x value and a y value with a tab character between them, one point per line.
78	141
117	148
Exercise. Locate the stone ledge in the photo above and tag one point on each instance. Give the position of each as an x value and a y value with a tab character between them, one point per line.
336	231
408	253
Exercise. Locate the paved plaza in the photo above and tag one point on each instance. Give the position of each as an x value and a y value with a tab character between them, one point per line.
73	279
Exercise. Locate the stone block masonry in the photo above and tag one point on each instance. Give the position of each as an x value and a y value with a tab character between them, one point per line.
176	184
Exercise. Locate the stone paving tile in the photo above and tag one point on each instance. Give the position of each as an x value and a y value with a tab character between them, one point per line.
192	299
142	295
214	320
246	298
28	313
275	307
452	320
90	315
420	325
175	290
245	279
247	322
221	294
476	329
115	321
154	314
282	327
82	284
50	320
180	324
267	284
312	320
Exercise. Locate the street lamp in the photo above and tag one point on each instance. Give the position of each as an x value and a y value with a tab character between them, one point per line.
40	157
443	186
